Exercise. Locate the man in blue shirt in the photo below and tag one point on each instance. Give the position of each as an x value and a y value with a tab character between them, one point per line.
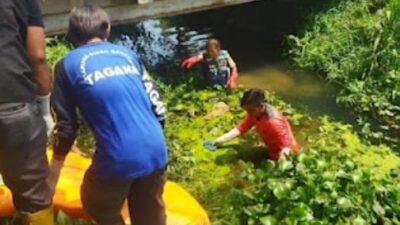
119	102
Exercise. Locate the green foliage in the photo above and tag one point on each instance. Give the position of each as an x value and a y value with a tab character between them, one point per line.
204	174
318	187
336	136
63	219
55	50
356	46
60	219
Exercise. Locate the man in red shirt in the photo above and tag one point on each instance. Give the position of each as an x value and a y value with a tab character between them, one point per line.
272	127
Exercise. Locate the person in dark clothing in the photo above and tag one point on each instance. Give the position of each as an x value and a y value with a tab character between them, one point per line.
25	118
118	100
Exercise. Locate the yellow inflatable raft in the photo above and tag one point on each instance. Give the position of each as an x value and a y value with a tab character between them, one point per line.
181	207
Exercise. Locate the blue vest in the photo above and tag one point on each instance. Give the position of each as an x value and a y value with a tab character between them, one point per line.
217	71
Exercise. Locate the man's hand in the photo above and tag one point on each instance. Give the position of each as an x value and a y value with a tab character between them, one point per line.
210	145
227	136
217	143
285	151
56	163
232	82
44	106
190	62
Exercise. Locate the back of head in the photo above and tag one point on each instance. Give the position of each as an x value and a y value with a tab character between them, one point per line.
253	96
87	22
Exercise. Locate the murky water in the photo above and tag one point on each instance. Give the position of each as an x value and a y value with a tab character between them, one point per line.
258	52
306	91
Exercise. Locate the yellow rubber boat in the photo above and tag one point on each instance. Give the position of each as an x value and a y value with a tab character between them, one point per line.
181	207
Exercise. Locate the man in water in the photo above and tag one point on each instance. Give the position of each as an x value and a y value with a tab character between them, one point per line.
219	67
272	127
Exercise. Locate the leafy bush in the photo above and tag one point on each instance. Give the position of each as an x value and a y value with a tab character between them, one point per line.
355	45
318	187
55	50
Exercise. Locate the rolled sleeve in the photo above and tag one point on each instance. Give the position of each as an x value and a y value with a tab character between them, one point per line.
35	15
245	125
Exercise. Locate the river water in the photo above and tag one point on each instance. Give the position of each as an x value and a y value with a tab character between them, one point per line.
256	43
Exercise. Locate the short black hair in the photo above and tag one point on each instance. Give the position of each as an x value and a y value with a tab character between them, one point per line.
87	22
253	96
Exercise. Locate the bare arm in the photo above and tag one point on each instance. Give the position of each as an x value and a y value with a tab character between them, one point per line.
228	136
35	46
232	82
191	61
242	128
231	63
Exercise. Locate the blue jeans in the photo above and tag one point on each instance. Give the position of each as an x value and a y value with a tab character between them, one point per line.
218	80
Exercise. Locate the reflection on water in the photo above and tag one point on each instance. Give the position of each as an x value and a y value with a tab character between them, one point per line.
158	42
304	90
149	40
283	82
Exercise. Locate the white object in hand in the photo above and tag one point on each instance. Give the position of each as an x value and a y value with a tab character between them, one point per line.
55	169
44	106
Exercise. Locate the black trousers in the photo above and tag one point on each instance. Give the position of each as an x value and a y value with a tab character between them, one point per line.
23	160
103	200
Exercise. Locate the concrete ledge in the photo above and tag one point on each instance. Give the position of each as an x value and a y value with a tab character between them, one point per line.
56	23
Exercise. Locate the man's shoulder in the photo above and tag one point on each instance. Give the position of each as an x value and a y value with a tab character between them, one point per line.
93	50
223	53
121	48
272	113
72	53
